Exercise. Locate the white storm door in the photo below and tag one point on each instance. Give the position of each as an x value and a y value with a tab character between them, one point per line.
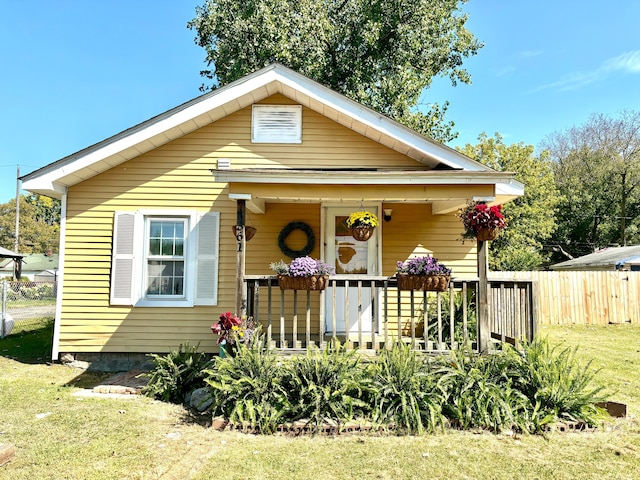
350	257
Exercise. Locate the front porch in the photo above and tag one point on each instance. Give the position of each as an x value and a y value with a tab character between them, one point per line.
370	313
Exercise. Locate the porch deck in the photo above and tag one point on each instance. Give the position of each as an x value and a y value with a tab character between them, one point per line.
371	313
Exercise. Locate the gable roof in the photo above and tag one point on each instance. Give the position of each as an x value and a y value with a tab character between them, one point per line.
613	258
53	179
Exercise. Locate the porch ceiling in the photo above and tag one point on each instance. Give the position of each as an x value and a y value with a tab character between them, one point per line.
446	190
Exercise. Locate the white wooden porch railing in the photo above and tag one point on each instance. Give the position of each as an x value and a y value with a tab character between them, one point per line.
294	319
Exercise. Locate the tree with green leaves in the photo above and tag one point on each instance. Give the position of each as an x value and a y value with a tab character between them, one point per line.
532	217
382	53
597	171
39	224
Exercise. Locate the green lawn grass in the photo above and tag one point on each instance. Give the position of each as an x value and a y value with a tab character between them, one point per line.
59	435
30	341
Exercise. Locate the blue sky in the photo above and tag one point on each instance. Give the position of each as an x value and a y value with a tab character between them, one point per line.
73	72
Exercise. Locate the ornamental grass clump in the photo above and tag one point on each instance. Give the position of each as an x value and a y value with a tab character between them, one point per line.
426	265
478	216
247	389
176	374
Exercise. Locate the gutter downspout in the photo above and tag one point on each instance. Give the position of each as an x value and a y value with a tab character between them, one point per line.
61	255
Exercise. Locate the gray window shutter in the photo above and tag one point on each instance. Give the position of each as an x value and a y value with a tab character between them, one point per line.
207	258
123	258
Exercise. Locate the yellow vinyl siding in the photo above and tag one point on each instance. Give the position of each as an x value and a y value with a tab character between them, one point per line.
178	176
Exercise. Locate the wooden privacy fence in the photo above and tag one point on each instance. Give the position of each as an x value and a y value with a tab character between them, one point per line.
584	298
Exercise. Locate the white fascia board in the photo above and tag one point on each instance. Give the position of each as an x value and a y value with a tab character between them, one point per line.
44	186
201	106
378	122
512	188
126	141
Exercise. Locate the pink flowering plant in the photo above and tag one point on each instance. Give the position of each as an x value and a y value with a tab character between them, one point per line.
478	215
233	329
426	265
302	267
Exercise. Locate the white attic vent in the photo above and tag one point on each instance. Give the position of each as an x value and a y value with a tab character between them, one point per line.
224	163
276	124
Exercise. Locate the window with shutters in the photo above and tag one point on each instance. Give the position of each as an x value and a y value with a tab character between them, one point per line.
165	258
276	124
165	262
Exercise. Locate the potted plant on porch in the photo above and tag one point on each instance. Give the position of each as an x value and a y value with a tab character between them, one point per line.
303	273
423	273
231	331
362	224
481	221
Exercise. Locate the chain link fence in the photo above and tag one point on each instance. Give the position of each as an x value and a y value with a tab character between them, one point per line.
26	306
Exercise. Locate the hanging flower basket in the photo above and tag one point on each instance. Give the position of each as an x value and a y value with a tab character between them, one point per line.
482	222
362	225
486	234
314	282
425	283
362	234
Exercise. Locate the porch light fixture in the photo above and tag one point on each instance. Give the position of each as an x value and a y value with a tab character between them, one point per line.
387	214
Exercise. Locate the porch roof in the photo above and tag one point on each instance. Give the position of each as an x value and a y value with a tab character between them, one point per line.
446	190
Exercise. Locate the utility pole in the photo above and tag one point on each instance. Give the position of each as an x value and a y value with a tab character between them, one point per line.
17	232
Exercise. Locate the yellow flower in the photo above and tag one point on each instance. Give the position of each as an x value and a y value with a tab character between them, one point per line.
362	219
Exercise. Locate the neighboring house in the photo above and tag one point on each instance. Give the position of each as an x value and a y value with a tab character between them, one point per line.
612	258
34	267
149	258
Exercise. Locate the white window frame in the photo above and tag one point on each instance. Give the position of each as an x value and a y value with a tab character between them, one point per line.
265	120
149	257
186	300
129	261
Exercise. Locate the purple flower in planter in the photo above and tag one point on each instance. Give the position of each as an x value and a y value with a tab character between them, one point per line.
426	265
307	266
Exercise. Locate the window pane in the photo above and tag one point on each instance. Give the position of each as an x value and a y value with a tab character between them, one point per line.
167	246
168	229
154	230
179	247
165	277
154	246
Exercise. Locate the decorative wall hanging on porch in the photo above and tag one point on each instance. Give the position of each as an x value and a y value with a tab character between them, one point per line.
481	221
290	227
303	273
249	232
362	224
423	273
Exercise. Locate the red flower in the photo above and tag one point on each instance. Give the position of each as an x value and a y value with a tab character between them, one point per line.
478	216
225	325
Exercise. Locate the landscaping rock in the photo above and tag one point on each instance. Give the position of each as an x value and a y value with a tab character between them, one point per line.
200	399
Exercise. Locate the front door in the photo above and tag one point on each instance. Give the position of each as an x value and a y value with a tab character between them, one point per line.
350	257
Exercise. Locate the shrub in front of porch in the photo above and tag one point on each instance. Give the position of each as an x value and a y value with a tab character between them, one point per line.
402	390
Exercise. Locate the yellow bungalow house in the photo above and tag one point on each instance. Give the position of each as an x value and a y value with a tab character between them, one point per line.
275	151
